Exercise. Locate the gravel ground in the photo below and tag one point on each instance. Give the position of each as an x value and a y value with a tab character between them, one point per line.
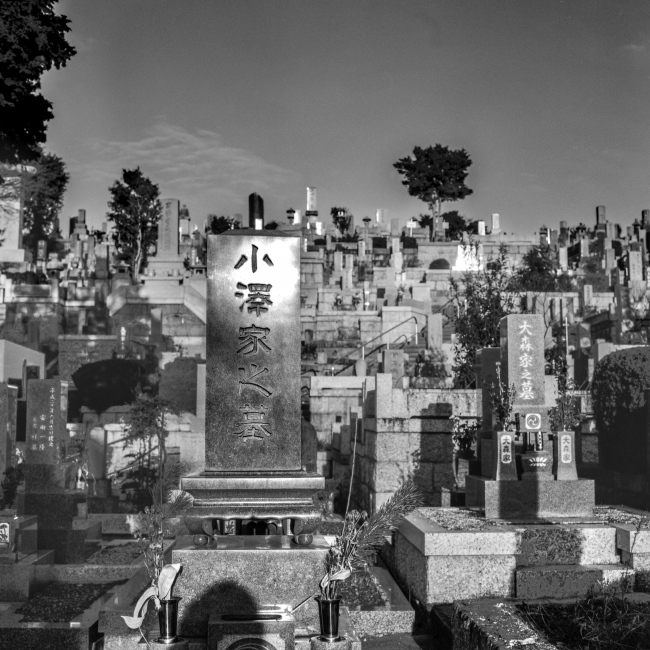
117	554
61	602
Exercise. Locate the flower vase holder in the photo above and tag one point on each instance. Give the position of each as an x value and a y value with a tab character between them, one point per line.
564	456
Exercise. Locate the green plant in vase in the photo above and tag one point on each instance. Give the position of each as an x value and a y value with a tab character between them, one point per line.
354	548
168	502
502	399
463	434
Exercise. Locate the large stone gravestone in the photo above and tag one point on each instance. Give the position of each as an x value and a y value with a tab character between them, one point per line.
536	486
255	499
45	449
253	443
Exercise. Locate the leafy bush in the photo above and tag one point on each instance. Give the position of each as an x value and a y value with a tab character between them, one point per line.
618	392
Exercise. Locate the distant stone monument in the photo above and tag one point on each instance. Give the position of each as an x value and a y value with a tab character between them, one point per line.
11	213
167	260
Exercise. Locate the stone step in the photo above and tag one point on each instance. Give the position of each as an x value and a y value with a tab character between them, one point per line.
568	581
567	544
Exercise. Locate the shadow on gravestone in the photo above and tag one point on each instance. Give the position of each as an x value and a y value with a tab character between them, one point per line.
111	382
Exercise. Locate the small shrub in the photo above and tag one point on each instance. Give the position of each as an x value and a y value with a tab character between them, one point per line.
618	392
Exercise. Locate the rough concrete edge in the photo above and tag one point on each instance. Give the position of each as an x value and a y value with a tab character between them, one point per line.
492	624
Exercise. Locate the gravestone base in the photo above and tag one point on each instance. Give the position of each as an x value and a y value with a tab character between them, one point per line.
165	267
69	545
244	574
267	496
529	499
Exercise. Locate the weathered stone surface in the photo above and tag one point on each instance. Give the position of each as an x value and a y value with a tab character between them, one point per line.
445	578
253	368
492	624
567	581
632	540
431	539
580	544
247	573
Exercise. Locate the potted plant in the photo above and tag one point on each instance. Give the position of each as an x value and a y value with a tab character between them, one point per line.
355	547
168	502
502	399
504	463
463	435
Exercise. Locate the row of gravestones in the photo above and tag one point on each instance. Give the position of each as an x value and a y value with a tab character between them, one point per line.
48	471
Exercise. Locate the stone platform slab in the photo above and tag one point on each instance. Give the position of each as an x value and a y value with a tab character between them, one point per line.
245	573
568	581
529	499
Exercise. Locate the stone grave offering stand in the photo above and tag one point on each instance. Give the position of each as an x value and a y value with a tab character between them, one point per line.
524	474
254	509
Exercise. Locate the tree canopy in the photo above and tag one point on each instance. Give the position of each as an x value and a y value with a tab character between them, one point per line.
435	175
539	271
33	41
43	192
135	209
481	299
221	224
342	219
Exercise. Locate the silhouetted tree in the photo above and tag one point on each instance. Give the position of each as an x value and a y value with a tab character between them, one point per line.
43	200
221	224
435	175
33	41
135	211
482	299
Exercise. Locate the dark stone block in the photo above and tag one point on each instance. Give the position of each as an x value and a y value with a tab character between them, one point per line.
54	511
529	499
46	478
68	545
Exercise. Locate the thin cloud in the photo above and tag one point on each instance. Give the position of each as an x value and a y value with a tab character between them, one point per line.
196	167
636	48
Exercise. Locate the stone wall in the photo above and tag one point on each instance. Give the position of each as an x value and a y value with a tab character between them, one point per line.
76	350
331	398
406	434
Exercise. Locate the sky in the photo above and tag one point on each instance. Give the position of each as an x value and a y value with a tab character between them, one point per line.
216	99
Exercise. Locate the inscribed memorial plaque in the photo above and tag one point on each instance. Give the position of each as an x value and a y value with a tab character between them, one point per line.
522	357
47	407
253	351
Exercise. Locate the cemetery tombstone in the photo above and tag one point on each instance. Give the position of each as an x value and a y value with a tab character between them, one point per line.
393	364
635	266
45	449
338	261
546	483
252	378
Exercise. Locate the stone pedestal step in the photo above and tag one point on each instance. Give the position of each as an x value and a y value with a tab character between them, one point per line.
569	581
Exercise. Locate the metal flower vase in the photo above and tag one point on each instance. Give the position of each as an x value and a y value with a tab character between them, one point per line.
168	620
328	613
